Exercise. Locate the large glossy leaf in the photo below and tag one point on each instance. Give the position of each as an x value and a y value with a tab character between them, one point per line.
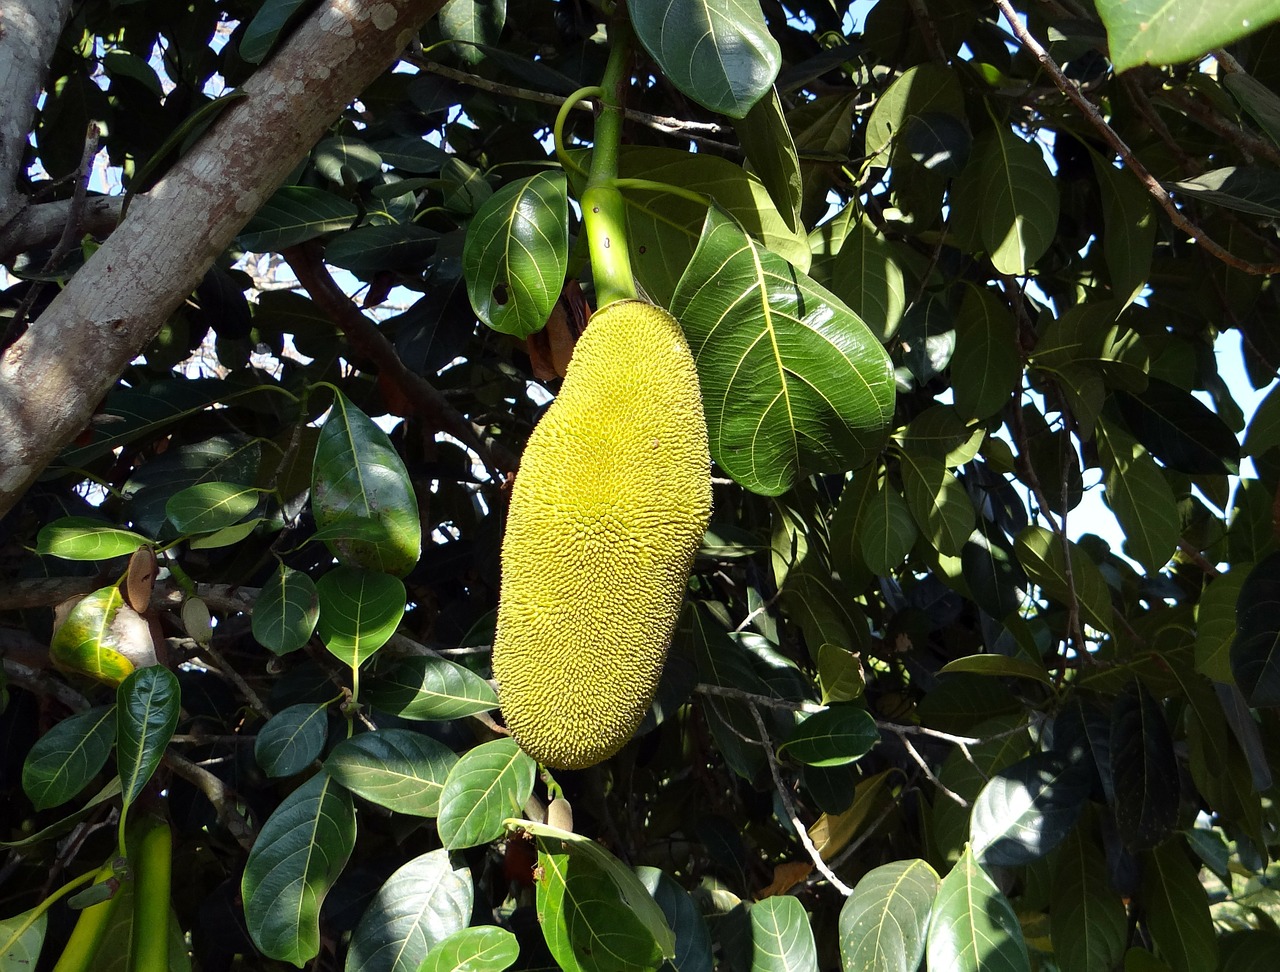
1179	430
1176	909
769	148
718	52
102	637
884	922
1027	809
517	252
1144	770
595	912
420	905
1169	31
429	688
483	948
837	735
206	507
486	786
1042	557
358	475
147	707
791	379
938	502
84	538
1255	651
291	739
1017	200
300	852
1140	497
399	769
693	942
1087	918
987	363
286	611
866	276
359	612
294	215
973	927
66	758
781	939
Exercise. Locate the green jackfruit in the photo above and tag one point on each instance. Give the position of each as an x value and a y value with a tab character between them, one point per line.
608	508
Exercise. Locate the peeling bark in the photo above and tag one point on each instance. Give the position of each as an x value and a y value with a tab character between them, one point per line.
54	376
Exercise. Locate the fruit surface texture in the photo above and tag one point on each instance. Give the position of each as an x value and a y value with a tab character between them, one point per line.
609	505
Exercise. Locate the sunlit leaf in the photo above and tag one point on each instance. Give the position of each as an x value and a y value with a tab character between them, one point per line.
1169	31
781	938
973	927
884	922
837	735
359	612
429	688
399	769
485	786
1027	809
83	538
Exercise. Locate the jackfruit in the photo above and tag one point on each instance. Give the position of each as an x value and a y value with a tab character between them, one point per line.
607	510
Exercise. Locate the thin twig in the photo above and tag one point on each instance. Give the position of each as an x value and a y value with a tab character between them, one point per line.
217	793
1152	185
790	808
1197	558
929	774
246	691
751	698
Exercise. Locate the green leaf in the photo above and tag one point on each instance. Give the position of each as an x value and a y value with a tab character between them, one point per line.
1216	623
473	21
1087	918
594	911
96	640
23	954
998	665
791	379
840	674
867	278
517	253
60	827
303	847
1140	497
941	432
1170	31
1255	651
1129	229
884	922
66	758
429	688
1176	909
332	155
693	941
261	33
1144	769
781	939
359	612
766	141
1017	199
418	907
487	785
84	538
922	88
358	476
1261	103
717	52
292	738
226	537
987	364
206	507
483	948
294	215
837	735
286	611
147	707
1027	809
888	533
369	250
1244	189
973	927
399	769
939	503
1180	430
1042	557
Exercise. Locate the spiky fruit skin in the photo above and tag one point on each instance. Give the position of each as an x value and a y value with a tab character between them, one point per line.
610	503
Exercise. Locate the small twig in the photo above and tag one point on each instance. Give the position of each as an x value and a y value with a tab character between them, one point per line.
1245	140
850	848
790	808
703	688
929	774
1152	185
235	678
201	739
1197	558
928	32
217	793
901	730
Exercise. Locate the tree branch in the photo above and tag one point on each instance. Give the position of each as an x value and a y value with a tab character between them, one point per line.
53	377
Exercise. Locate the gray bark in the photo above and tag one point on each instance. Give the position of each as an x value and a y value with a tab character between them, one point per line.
53	377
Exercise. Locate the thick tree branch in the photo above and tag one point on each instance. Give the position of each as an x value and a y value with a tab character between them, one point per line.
54	376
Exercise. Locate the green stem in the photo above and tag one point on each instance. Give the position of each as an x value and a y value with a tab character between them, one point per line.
152	883
562	153
701	198
81	951
44	906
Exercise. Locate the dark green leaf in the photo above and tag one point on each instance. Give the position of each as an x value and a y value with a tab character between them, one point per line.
358	476
768	145
206	507
517	253
357	157
922	88
987	363
781	939
1144	770
1088	920
286	611
1245	189
884	922
792	380
718	52
472	21
483	948
693	941
1255	651
66	758
359	612
399	769
1179	430
371	249
1027	809
486	786
866	276
1017	200
294	215
837	735
303	847
1140	497
973	927
147	706
938	502
999	665
260	36
1129	229
291	739
1169	31
1176	909
430	688
418	907
83	538
1042	557
1216	627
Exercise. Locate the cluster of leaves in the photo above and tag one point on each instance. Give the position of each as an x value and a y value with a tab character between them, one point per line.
913	710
